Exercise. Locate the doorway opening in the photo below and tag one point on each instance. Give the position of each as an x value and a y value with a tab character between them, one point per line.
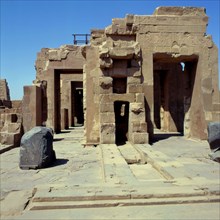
57	105
68	99
77	104
121	109
173	90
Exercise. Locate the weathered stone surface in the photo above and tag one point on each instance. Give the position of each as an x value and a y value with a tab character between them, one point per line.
10	205
4	90
214	135
36	149
11	129
180	11
215	156
165	61
107	133
105	82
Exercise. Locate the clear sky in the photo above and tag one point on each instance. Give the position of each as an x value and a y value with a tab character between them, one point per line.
29	25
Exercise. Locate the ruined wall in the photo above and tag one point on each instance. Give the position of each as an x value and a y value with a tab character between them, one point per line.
55	67
4	94
142	49
139	74
114	90
4	90
11	128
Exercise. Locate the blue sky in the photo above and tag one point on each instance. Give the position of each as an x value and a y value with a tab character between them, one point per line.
29	25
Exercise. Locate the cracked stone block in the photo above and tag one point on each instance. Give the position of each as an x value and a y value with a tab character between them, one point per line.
214	135
36	149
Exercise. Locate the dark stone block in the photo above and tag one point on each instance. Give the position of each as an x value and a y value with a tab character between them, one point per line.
215	156
214	135
36	149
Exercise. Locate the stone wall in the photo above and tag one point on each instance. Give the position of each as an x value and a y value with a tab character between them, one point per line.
4	90
11	128
56	70
138	75
166	55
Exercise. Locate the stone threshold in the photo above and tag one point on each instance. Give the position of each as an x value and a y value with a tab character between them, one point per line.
45	199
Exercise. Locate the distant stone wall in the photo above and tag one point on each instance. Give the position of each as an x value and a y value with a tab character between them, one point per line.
4	90
10	117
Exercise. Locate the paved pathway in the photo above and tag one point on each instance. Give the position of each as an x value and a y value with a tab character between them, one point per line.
175	170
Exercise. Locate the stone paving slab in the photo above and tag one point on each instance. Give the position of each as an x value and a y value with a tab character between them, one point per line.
102	172
121	202
187	170
120	192
201	211
115	168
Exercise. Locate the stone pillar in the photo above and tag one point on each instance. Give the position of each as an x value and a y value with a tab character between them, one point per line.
31	107
137	125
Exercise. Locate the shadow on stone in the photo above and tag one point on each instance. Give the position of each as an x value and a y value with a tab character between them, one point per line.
59	162
160	137
58	139
65	132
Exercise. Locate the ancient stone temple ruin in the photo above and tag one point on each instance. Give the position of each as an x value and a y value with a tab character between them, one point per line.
10	117
140	75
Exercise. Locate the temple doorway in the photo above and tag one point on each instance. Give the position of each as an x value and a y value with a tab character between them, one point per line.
121	109
173	90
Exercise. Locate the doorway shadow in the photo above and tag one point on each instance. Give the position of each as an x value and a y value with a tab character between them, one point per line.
163	136
64	132
58	139
59	162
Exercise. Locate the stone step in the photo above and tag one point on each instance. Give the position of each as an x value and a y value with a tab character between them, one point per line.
48	205
54	194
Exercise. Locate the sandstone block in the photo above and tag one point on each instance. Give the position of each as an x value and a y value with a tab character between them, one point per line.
137	107
180	11
133	80
139	97
122	53
107	117
137	116
107	135
105	82
129	19
135	88
139	127
10	138
216	106
140	138
108	107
